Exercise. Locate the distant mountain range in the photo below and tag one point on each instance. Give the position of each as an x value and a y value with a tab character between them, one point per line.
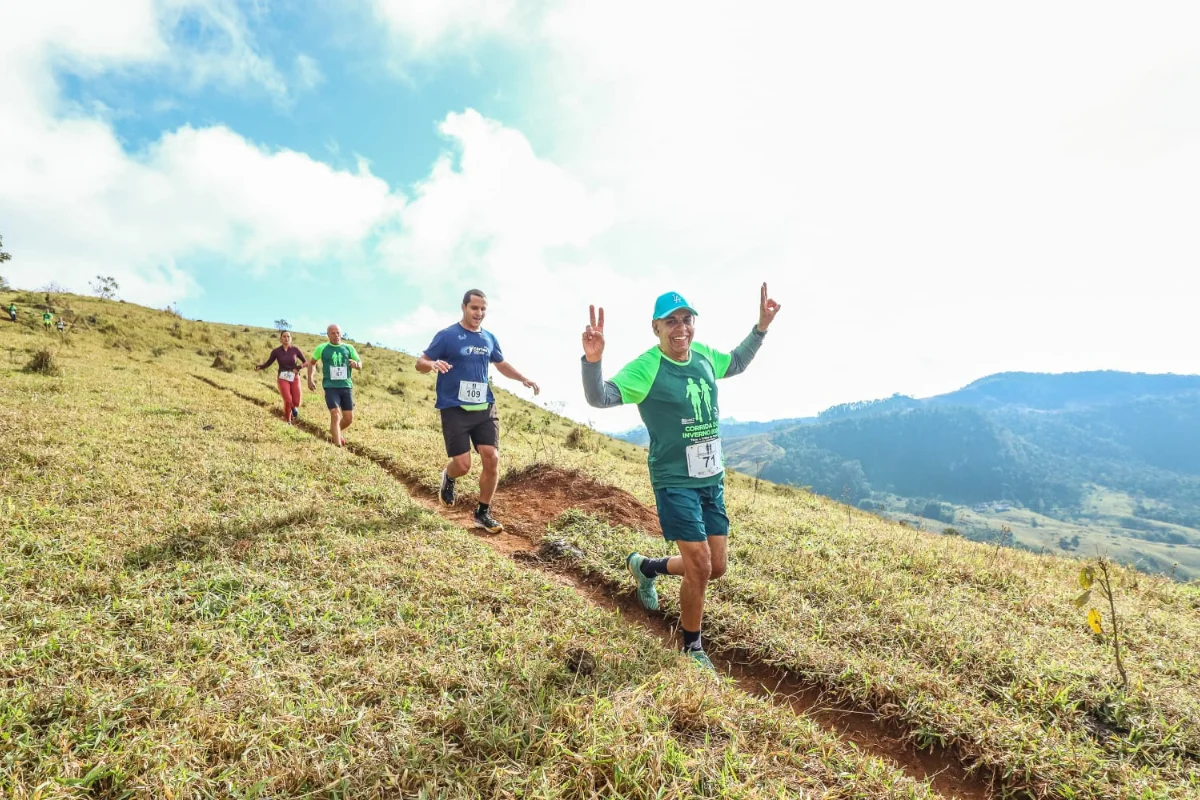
1034	441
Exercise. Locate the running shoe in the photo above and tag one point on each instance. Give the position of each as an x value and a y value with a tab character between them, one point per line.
647	594
446	492
483	519
700	658
295	413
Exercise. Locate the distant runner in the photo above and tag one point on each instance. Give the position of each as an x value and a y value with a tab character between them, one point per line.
290	359
336	360
47	318
461	355
62	325
12	312
674	385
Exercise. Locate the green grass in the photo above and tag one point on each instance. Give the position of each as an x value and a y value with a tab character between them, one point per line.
206	600
200	601
969	646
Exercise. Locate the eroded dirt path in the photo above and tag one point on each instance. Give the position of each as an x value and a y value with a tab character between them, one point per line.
535	497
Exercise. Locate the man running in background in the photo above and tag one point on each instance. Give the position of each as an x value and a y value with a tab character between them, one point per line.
461	355
336	359
12	312
674	385
47	318
62	325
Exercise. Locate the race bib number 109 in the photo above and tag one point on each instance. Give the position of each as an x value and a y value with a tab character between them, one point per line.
286	376
472	392
704	459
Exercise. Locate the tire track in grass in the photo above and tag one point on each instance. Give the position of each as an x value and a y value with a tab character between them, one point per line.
523	541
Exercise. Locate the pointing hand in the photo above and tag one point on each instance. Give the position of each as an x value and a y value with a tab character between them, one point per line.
767	309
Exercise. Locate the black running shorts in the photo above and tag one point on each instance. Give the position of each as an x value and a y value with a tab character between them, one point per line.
461	429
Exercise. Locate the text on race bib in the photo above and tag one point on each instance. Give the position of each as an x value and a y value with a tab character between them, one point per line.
287	376
472	391
339	373
704	459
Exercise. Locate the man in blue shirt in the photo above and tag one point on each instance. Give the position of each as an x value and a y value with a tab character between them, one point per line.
461	355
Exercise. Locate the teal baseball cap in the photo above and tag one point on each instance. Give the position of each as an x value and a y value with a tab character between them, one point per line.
668	303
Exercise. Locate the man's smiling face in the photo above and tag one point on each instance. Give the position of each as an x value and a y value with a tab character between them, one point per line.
675	333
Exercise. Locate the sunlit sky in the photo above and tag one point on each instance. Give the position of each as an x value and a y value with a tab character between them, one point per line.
934	191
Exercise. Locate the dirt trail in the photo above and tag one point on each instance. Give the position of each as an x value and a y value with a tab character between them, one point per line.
534	497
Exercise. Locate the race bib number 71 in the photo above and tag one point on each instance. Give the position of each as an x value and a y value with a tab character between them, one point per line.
704	459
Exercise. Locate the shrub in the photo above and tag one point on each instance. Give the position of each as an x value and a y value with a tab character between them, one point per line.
581	438
397	389
44	363
223	363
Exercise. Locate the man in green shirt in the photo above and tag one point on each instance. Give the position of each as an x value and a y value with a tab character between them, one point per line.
337	359
12	312
47	318
674	385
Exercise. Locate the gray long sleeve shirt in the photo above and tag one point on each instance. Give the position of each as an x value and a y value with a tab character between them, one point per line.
605	394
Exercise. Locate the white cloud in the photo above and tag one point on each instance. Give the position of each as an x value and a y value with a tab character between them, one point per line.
308	72
492	207
494	215
75	203
934	190
426	29
414	330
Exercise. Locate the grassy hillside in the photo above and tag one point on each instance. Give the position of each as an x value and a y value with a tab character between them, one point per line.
203	601
200	601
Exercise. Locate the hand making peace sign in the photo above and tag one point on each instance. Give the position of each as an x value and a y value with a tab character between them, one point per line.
593	336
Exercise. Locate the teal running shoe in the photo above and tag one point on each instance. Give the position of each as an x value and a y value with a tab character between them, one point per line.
700	658
647	594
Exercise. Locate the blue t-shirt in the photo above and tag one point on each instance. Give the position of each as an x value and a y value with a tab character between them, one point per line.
469	353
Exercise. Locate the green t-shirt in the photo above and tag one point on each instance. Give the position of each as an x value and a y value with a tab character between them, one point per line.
678	404
335	364
47	317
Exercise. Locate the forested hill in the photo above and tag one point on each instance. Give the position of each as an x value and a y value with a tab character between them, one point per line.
1044	392
1034	440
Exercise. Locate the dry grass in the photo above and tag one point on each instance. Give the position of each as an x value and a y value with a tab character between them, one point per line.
971	647
44	363
203	602
218	607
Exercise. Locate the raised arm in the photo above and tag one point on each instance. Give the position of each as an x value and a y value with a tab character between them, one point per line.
744	353
599	392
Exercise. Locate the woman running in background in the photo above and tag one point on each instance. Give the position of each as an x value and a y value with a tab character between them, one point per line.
290	359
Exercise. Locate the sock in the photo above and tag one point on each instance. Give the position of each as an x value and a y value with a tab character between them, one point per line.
691	640
483	508
653	567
